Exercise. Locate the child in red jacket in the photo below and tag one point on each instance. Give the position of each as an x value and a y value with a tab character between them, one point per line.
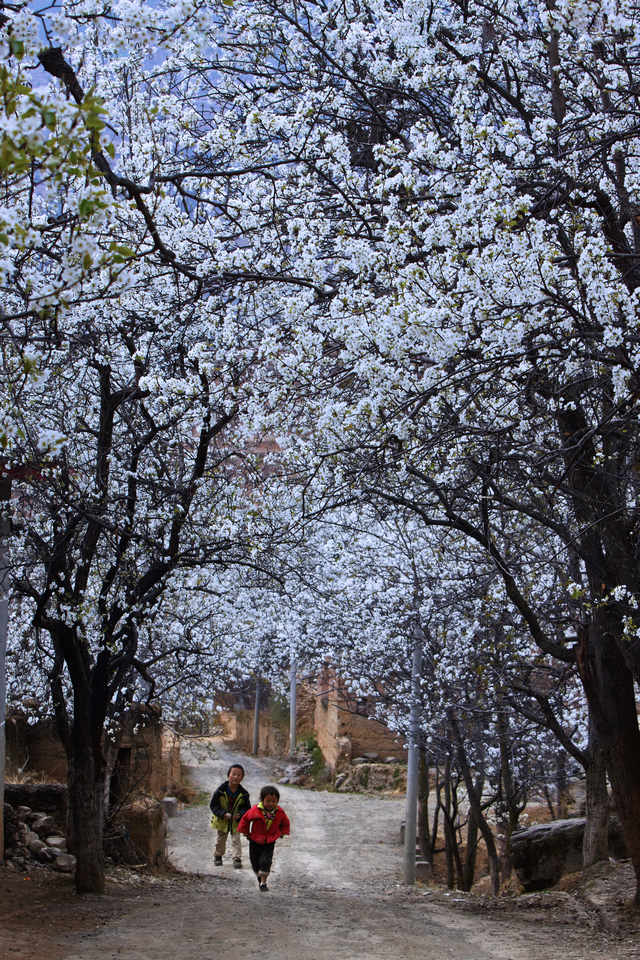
263	824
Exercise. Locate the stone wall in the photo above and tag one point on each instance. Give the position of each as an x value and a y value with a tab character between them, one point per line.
50	798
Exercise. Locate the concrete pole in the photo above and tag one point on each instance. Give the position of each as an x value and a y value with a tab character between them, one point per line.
256	719
292	707
4	624
412	763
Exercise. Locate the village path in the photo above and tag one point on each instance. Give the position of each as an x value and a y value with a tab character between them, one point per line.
335	891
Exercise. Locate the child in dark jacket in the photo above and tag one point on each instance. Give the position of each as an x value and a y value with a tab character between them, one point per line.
263	824
228	803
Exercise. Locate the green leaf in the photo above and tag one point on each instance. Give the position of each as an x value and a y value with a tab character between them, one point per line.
16	47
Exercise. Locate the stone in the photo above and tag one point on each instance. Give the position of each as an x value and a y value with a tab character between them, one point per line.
424	871
34	816
343	756
57	842
47	855
170	805
340	779
11	825
36	846
545	852
64	863
483	887
372	756
371	777
43	825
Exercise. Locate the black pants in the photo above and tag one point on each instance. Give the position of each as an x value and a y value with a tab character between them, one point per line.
261	855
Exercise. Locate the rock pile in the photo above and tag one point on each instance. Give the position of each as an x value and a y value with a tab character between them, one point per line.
34	836
367	776
298	769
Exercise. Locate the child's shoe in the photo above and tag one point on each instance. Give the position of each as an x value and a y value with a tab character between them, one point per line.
237	862
263	887
217	860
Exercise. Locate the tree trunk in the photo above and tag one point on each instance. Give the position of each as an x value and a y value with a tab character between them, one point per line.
595	844
562	787
608	685
86	777
86	813
475	805
469	866
424	839
511	799
450	846
4	623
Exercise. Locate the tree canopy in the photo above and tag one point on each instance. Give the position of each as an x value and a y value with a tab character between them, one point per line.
381	257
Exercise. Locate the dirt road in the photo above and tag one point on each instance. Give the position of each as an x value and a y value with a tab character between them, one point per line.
335	891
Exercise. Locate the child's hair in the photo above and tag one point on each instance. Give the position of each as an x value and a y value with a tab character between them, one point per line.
269	791
238	765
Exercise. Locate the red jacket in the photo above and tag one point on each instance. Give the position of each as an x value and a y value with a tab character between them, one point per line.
254	825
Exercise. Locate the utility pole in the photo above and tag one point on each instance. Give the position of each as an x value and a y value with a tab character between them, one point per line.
292	706
412	762
5	526
256	719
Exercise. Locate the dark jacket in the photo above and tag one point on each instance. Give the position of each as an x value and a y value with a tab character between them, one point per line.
223	801
254	825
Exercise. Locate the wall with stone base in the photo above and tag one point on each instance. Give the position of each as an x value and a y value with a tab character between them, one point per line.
149	759
344	734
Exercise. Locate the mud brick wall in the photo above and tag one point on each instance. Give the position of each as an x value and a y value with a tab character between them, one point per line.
329	722
145	773
146	824
272	740
305	709
46	753
342	733
229	723
153	766
16	742
170	747
371	736
35	749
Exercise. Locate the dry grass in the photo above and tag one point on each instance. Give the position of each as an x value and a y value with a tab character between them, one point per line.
28	776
